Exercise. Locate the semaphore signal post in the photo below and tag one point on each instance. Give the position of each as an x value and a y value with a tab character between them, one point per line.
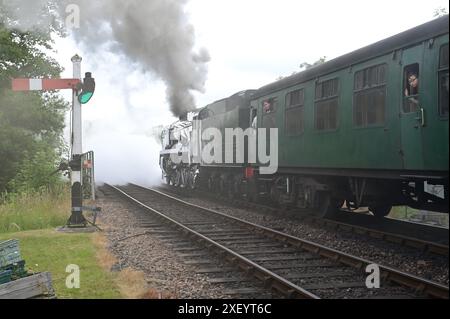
82	93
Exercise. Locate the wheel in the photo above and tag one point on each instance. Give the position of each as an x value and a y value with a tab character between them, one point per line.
229	187
327	206
252	191
211	184
177	179
380	211
192	180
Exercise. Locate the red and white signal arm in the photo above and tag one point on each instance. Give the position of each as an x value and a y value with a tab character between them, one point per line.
44	84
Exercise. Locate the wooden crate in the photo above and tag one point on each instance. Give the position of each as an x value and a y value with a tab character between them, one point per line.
9	252
5	276
36	286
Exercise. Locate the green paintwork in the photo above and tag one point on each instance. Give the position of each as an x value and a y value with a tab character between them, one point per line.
400	143
229	113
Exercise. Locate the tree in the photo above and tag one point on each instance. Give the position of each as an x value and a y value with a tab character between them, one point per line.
31	122
440	12
305	66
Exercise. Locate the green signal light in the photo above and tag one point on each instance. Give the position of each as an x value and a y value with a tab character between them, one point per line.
85	97
87	88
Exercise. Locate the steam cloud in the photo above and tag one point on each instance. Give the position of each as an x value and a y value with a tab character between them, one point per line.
155	34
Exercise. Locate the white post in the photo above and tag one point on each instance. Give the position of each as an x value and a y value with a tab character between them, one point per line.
77	148
76	219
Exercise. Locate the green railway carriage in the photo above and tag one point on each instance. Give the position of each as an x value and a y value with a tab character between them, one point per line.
369	128
353	117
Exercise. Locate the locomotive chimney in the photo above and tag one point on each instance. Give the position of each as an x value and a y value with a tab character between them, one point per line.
183	117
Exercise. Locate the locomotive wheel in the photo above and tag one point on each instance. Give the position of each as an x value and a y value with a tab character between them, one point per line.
223	185
237	187
212	185
167	180
380	211
327	205
191	180
252	191
229	187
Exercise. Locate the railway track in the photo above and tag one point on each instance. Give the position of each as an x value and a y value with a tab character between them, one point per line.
386	229
292	267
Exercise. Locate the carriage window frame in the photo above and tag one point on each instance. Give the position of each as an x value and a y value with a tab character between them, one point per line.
290	108
443	70
322	96
411	98
369	85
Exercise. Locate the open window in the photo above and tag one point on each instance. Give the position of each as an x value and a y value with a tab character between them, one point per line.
269	109
411	88
443	81
253	118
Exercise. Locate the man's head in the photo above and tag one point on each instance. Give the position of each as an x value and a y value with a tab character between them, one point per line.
267	107
412	80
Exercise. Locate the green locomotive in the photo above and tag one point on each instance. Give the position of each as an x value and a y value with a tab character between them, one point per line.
369	128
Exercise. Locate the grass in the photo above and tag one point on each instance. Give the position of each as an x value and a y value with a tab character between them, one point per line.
32	219
48	250
47	209
408	213
402	212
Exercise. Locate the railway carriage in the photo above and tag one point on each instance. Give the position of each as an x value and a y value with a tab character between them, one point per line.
350	130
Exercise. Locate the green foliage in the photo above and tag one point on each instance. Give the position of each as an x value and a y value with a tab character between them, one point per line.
306	65
31	123
36	173
440	12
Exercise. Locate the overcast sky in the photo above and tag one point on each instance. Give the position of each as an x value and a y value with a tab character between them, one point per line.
251	43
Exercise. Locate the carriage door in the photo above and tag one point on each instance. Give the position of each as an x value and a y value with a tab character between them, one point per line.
412	114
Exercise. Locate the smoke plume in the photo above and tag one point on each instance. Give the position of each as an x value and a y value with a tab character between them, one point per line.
154	34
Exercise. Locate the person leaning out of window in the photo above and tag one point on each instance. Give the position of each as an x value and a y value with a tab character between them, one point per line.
413	85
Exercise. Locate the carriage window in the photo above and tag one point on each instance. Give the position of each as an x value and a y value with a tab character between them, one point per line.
443	81
369	97
269	109
411	88
326	105
294	112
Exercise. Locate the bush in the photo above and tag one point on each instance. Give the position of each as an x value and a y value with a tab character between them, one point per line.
36	174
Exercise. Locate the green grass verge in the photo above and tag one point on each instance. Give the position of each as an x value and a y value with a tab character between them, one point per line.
43	210
402	212
48	250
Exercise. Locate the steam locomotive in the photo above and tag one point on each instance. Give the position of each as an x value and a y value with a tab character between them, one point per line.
350	130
